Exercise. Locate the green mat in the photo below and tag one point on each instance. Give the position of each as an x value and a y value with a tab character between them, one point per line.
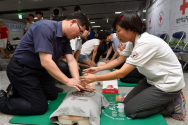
107	115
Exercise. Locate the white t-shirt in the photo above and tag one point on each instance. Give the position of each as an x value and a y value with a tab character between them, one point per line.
156	60
128	49
76	44
115	41
28	25
88	46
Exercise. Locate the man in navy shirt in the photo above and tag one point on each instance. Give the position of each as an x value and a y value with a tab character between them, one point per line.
32	69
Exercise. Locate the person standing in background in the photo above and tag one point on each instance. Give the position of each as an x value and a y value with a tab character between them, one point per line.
56	14
39	15
26	21
4	38
31	22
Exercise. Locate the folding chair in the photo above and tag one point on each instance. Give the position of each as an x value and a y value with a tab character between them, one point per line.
163	36
178	35
184	58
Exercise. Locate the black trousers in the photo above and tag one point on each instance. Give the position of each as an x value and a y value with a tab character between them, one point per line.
65	68
145	100
133	77
34	87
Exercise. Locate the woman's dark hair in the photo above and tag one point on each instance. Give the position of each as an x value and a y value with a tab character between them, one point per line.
105	34
82	19
100	36
129	20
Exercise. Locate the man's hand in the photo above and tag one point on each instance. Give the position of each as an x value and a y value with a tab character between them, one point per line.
120	48
91	70
74	83
93	64
87	78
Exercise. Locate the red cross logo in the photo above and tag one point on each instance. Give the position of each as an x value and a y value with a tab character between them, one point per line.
134	55
74	98
150	21
160	18
183	7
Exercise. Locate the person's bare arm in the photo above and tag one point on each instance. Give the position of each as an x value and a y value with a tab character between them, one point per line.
109	65
126	69
73	66
94	53
114	56
77	54
54	71
108	53
7	35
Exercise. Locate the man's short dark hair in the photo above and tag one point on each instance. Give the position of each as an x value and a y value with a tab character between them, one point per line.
56	12
59	18
39	12
82	19
31	15
26	19
77	8
105	34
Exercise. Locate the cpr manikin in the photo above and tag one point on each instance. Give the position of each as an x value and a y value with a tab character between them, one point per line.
80	107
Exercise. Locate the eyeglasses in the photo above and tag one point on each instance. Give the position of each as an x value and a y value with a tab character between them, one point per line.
81	32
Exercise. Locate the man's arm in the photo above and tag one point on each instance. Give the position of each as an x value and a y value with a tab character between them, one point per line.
114	56
73	66
63	59
54	71
109	52
94	52
77	54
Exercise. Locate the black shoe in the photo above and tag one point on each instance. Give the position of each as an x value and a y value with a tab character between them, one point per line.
10	90
2	93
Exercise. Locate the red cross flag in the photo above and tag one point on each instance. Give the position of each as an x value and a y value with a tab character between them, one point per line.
183	7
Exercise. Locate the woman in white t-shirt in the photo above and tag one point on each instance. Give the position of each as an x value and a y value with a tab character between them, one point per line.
160	91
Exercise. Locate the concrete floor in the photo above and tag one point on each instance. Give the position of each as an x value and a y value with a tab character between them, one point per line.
4	83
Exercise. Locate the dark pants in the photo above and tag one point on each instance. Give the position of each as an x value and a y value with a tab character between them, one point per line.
65	68
145	100
34	87
133	77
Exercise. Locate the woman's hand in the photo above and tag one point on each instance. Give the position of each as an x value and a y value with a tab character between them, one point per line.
120	48
91	70
87	78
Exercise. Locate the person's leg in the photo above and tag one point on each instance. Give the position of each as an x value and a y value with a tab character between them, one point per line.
5	45
31	99
3	52
48	86
84	61
64	68
150	101
137	89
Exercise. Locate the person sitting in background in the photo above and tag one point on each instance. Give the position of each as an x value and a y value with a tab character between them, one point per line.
31	22
39	15
26	21
91	36
88	48
4	38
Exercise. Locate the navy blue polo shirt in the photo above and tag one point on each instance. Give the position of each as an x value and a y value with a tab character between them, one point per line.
44	36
